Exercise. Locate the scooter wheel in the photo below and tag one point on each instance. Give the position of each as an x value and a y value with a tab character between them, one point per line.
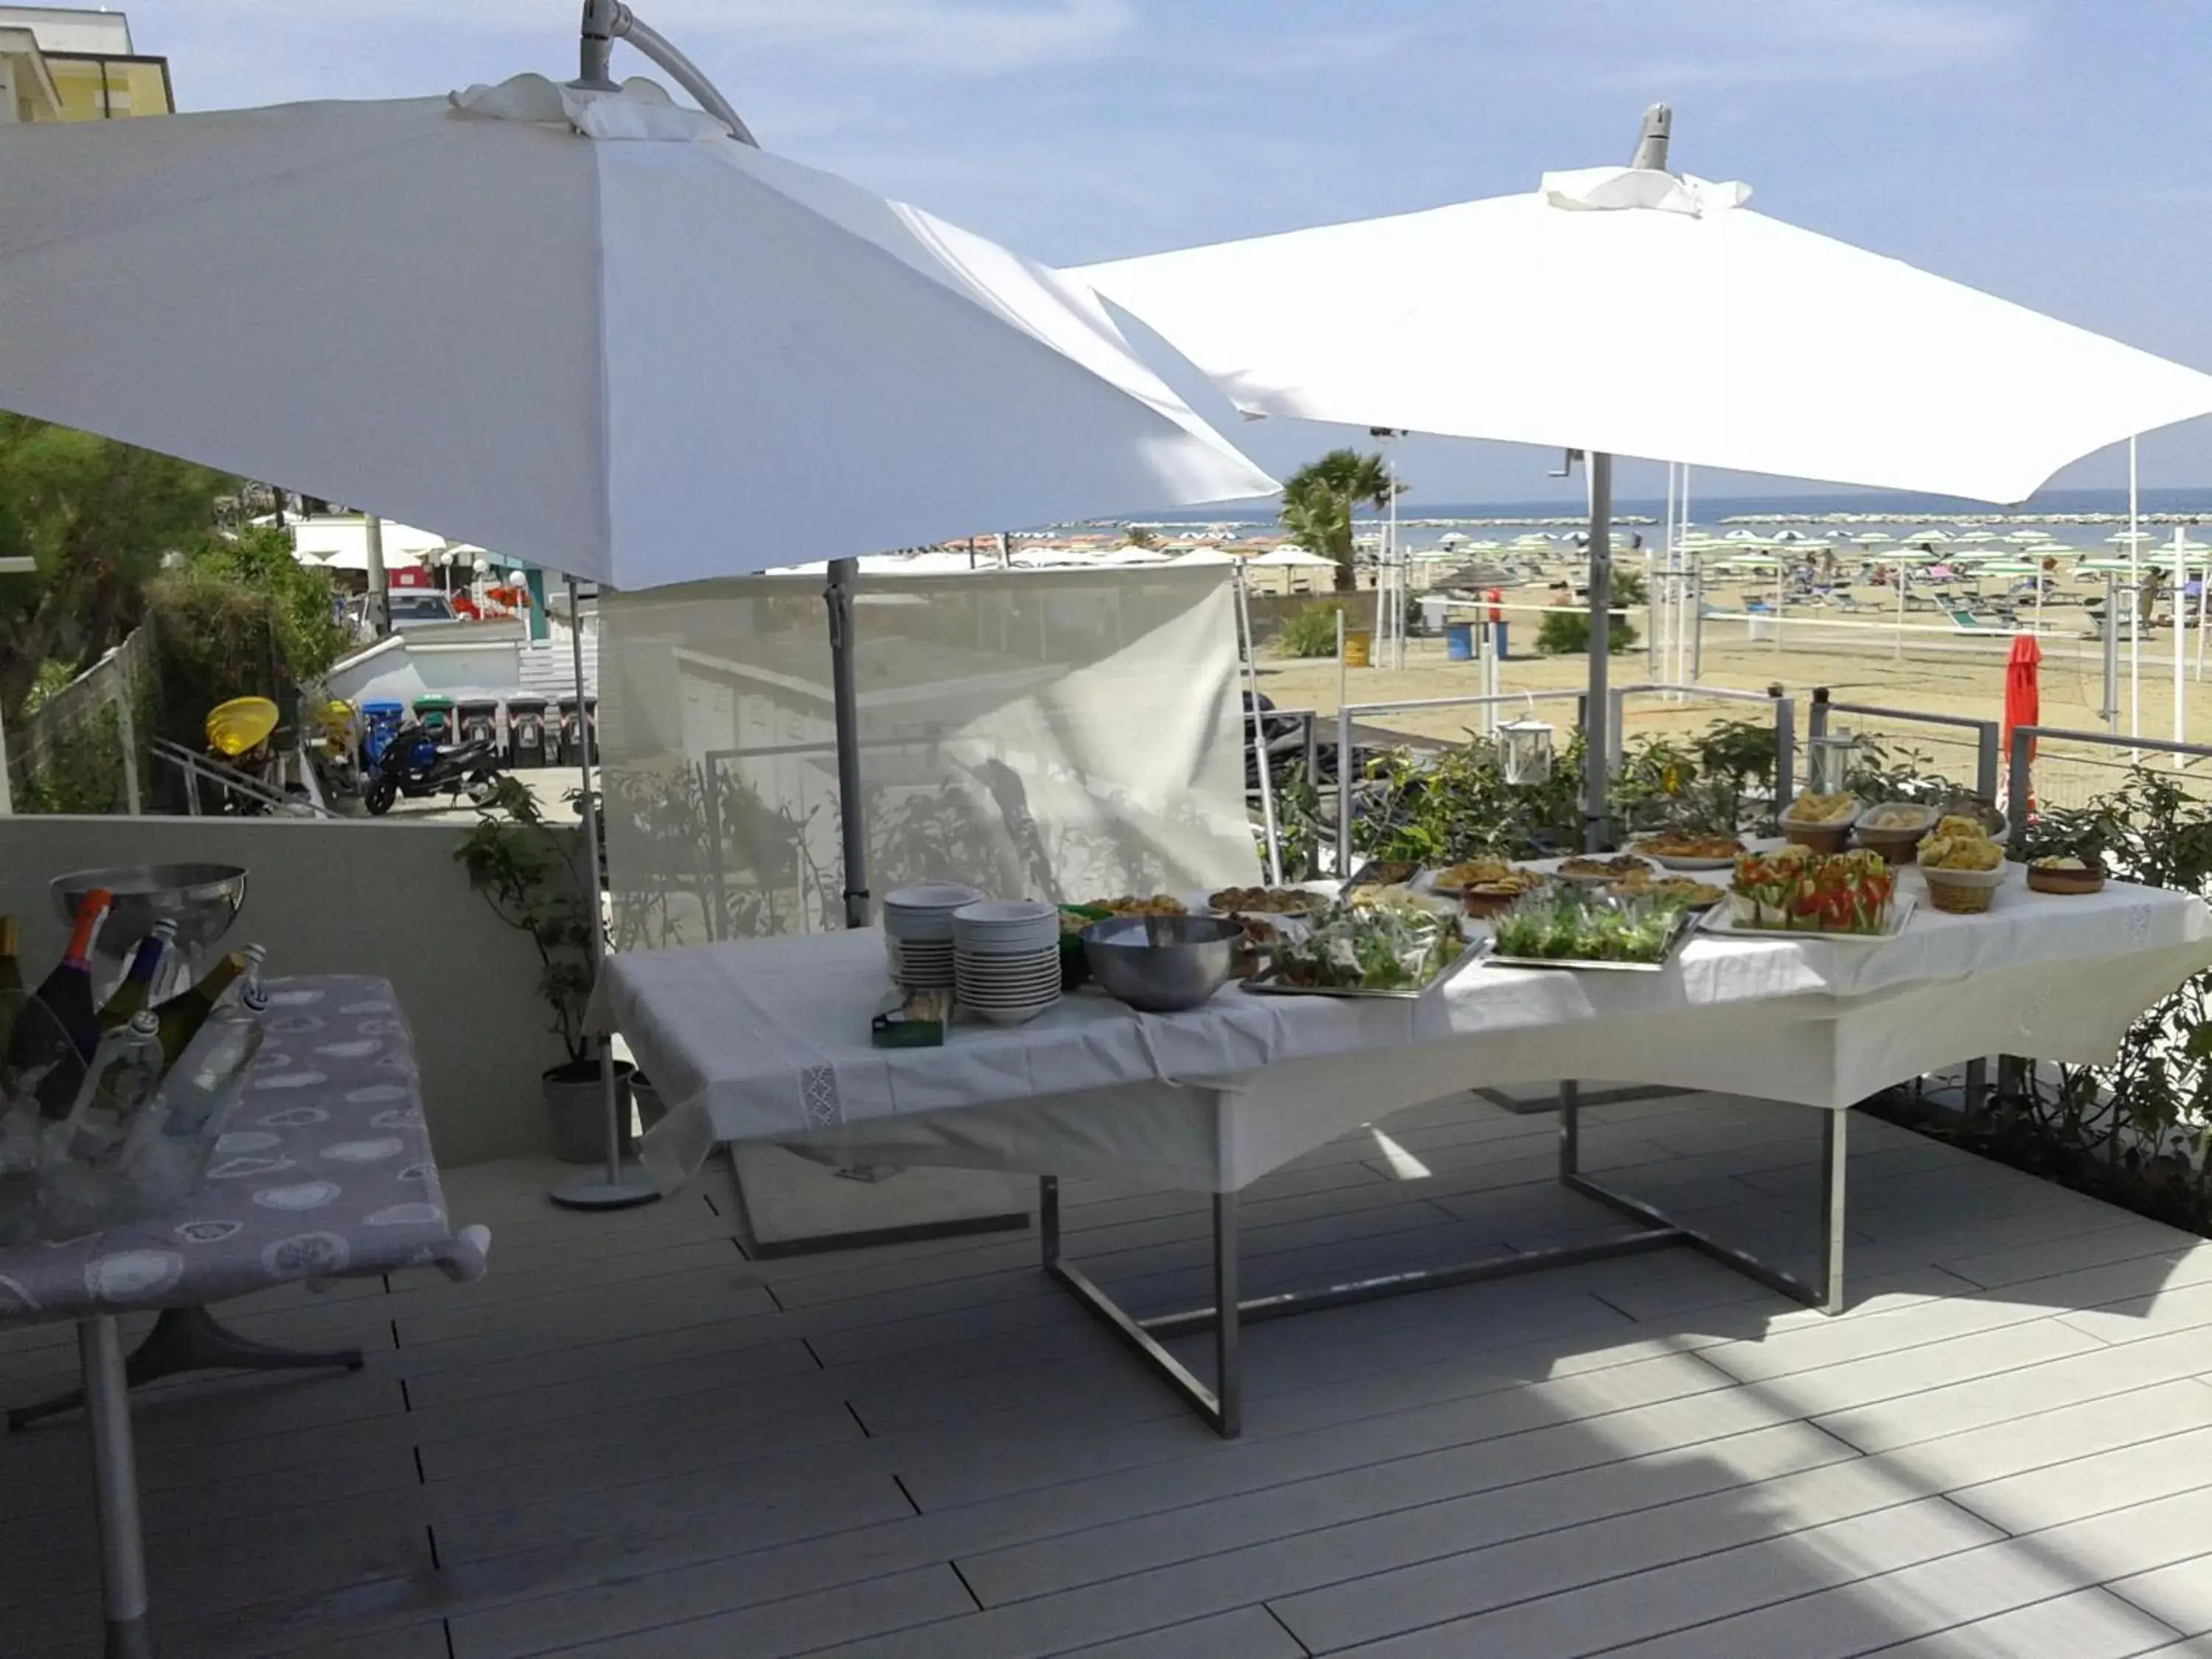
379	796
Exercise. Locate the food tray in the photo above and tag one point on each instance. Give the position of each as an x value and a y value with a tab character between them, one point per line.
1266	985
1685	925
1719	921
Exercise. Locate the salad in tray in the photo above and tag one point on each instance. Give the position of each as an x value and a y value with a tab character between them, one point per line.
1568	926
1798	889
1390	942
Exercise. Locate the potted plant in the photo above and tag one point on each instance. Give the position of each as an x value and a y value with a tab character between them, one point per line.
530	874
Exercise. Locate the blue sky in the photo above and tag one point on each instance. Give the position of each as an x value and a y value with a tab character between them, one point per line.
2052	151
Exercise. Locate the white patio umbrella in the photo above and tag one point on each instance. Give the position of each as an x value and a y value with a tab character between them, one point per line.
581	323
1547	317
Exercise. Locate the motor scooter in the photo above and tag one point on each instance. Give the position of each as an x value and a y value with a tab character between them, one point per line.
414	765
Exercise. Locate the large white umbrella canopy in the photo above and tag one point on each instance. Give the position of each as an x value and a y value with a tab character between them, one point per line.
592	328
1547	317
343	543
1295	558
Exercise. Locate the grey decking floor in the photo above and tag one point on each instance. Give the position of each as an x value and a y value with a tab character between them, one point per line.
630	1440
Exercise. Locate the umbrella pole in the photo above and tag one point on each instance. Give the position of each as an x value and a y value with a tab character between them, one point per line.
1259	735
1598	741
2180	633
2135	607
845	699
614	1187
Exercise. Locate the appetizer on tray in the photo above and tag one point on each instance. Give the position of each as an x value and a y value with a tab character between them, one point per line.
1689	894
1394	945
1486	886
1796	889
1266	901
1566	928
1592	870
1686	849
1159	904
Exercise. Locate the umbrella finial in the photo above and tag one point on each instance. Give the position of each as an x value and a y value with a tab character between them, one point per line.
605	22
1651	142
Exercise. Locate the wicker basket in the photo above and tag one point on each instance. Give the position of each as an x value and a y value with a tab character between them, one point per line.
1819	837
1962	892
2066	881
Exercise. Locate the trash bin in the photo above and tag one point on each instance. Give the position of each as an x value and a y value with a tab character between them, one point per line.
526	741
435	711
478	718
379	719
568	739
1435	614
1357	644
1459	641
1498	640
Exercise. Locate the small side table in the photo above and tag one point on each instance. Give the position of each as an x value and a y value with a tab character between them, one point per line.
323	1171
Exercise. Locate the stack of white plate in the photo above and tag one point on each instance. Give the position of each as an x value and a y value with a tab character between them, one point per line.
918	933
1006	959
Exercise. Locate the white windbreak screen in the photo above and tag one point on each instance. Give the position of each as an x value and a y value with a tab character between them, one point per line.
1053	734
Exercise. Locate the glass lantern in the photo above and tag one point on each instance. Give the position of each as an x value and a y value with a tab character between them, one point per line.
1526	745
1829	761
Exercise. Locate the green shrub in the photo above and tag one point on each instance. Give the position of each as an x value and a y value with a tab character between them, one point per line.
1312	632
1565	632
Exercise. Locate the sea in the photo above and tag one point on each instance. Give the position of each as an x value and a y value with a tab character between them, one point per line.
2071	515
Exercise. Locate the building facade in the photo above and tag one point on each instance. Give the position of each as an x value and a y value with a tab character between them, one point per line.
62	65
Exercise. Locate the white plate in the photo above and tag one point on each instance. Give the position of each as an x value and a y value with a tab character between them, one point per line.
1718	920
1686	865
1551	867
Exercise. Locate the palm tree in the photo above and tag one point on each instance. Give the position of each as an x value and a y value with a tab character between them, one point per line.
1319	498
1138	535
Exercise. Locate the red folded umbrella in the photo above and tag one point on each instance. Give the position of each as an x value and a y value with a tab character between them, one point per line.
2023	702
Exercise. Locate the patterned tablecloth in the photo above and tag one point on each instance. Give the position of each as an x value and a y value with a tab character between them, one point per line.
323	1171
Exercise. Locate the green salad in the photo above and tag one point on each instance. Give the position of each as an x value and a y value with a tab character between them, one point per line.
1565	926
1389	943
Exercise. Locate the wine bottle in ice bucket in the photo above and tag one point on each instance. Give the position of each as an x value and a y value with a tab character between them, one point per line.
116	1093
58	1028
201	1086
183	1014
135	991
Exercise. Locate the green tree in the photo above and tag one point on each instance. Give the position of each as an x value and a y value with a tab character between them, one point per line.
98	516
1320	498
1137	535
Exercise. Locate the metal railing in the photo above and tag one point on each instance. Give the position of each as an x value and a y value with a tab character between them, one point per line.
1345	714
1986	732
2021	795
1786	723
199	767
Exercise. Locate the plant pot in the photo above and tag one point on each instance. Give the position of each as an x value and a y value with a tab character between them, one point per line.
576	1111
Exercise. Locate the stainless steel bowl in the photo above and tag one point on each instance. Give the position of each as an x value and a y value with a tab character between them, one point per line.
203	899
1162	964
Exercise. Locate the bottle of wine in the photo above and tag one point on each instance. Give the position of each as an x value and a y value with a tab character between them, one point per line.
183	1014
11	981
137	989
58	1028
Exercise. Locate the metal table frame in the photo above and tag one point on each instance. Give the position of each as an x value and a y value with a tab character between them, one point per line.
1222	1406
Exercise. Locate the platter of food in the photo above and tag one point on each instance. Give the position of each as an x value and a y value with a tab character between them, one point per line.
1683	849
1590	871
1158	904
1566	928
1962	866
1685	890
1486	886
1390	945
1795	892
1266	901
1821	822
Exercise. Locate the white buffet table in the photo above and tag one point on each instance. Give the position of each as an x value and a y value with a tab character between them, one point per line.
768	1041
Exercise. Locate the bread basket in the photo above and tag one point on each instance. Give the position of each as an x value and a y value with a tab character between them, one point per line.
1897	845
1962	892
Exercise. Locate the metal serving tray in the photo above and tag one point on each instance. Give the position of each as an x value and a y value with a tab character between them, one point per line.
1266	984
1721	925
1685	925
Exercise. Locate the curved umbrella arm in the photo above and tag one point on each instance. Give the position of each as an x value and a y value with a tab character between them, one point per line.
606	21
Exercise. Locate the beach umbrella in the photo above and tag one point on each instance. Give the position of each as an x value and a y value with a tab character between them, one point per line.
1873	538
1548	318
580	322
2023	700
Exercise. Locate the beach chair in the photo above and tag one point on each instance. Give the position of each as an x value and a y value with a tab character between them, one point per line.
1966	623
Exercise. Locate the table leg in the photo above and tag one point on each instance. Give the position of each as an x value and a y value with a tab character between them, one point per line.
1835	1162
115	1482
1228	1364
192	1339
1570	1129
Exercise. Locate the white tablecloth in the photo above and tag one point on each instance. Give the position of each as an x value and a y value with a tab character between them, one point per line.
769	1040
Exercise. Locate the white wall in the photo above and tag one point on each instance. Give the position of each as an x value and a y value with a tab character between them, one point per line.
383	898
